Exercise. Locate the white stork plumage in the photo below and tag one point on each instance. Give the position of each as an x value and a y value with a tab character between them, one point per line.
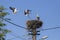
27	12
13	9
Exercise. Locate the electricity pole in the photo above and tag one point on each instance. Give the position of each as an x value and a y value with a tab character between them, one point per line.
34	34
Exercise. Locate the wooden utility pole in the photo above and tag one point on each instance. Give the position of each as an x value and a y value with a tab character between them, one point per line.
34	34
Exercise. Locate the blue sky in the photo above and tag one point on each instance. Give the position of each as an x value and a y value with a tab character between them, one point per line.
48	10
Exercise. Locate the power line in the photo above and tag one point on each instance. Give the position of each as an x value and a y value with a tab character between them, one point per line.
12	23
50	28
16	37
26	28
25	39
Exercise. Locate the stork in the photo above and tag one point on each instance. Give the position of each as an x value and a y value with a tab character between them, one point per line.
27	12
37	16
13	9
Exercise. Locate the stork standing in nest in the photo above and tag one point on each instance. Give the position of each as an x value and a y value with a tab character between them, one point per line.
37	16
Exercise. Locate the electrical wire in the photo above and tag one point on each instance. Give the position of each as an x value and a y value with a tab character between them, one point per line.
41	30
13	23
50	28
20	37
16	37
26	28
25	39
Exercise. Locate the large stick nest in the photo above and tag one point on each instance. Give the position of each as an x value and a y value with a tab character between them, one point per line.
33	24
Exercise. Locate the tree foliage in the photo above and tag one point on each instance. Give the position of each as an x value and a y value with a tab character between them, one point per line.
3	31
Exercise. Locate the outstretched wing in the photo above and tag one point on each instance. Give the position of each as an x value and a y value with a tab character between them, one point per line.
11	8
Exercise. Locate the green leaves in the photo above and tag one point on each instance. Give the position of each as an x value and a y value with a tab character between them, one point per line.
1	35
3	14
6	31
3	31
2	8
2	24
